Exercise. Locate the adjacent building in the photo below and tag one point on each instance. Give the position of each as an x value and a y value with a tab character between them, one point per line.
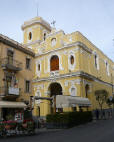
16	73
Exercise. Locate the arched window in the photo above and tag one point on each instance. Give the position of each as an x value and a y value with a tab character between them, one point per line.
44	36
38	67
107	67
96	61
73	92
53	41
38	94
86	90
54	63
30	36
72	60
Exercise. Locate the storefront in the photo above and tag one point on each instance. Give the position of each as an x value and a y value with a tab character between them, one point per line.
12	110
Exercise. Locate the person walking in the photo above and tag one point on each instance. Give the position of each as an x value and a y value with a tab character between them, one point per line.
103	114
97	114
109	115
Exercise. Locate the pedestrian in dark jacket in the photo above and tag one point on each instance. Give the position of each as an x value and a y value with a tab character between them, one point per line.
103	114
97	114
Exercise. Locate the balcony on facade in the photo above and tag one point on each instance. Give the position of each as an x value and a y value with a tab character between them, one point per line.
9	92
12	65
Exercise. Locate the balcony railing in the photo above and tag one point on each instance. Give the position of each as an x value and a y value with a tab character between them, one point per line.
9	91
11	64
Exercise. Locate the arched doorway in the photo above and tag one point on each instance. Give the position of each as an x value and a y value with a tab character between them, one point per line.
54	63
54	89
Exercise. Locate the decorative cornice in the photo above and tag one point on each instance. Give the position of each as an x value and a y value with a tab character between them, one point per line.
41	86
95	47
36	20
53	34
57	77
78	43
74	74
16	45
34	42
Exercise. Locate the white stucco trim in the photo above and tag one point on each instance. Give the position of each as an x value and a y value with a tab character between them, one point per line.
72	74
53	41
48	91
73	86
60	60
44	32
107	67
38	87
36	21
90	85
55	33
72	82
71	66
77	44
37	71
28	31
38	94
32	43
70	38
30	47
95	54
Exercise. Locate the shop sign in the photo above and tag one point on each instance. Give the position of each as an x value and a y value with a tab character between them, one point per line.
14	91
19	117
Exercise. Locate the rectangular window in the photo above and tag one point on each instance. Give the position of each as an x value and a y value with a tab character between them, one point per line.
10	57
96	59
27	86
28	63
107	68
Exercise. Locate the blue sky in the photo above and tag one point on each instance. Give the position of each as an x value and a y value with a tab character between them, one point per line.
93	18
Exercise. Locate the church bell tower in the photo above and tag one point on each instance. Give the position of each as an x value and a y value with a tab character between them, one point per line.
35	31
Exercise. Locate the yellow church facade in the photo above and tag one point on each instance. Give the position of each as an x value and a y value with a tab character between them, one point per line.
68	69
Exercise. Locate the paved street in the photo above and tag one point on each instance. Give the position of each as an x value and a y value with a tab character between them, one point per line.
100	131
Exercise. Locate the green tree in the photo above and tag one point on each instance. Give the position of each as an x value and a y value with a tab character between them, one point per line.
101	97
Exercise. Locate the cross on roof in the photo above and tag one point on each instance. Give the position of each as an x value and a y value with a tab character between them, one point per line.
53	23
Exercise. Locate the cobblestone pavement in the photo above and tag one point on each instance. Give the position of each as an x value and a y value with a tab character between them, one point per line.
97	131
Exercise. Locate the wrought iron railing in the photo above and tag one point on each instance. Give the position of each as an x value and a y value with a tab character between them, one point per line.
12	62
